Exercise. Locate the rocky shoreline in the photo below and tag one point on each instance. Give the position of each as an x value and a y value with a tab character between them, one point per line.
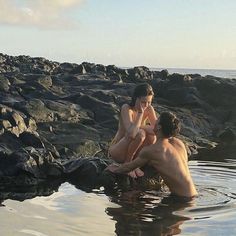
57	119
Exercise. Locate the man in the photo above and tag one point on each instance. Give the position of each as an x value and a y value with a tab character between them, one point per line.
168	156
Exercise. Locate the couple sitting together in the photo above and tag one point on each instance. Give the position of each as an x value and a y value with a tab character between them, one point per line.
143	139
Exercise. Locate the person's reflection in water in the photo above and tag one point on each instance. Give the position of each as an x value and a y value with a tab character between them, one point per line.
141	213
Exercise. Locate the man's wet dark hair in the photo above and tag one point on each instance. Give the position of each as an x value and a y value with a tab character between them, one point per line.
170	124
141	90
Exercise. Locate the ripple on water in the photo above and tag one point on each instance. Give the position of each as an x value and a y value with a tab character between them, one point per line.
32	232
216	184
72	211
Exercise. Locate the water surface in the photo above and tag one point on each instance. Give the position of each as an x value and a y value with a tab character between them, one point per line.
230	74
71	211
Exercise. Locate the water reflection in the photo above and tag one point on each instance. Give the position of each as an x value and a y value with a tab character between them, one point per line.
144	213
69	211
154	213
20	193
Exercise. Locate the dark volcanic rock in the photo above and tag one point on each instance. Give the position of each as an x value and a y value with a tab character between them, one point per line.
52	114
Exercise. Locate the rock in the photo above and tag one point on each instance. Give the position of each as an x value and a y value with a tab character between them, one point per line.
140	73
179	79
52	113
16	190
45	81
37	109
227	136
79	69
30	139
161	74
4	84
103	112
88	148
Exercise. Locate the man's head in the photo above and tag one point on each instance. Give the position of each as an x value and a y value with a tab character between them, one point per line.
168	124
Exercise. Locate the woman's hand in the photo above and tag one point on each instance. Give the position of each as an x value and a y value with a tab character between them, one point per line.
149	108
139	106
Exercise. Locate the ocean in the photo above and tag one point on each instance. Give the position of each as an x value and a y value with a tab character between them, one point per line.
230	74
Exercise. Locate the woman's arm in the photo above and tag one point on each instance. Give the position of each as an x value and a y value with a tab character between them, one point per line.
131	125
148	129
151	115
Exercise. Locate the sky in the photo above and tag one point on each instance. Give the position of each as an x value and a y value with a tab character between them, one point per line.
198	34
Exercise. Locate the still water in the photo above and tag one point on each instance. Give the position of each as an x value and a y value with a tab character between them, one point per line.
228	74
71	211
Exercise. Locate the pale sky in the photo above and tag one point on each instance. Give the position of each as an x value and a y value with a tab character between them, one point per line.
197	34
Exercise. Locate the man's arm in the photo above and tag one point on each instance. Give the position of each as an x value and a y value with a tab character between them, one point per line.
141	160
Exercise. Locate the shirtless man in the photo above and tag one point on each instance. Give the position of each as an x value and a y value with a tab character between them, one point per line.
136	123
168	156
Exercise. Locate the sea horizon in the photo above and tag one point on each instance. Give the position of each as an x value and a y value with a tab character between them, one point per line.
223	73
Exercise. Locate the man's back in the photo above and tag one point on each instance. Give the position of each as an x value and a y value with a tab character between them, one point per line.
169	157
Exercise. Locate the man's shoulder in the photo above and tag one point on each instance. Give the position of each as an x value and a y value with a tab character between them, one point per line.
177	141
179	145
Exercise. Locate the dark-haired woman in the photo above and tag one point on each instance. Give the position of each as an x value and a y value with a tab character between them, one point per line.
136	124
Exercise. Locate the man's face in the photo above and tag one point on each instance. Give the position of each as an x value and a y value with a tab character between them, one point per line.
156	126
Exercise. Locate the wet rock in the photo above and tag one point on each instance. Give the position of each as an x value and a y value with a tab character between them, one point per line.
86	172
20	192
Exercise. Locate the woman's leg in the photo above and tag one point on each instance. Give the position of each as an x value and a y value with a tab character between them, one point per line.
118	151
132	150
125	150
135	144
147	139
150	139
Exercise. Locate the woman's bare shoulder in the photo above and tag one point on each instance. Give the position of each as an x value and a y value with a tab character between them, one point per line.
125	107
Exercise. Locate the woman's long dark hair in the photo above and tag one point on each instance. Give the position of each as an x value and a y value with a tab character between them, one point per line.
141	90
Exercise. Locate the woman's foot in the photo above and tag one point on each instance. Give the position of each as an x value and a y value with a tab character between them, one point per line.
139	173
136	173
132	174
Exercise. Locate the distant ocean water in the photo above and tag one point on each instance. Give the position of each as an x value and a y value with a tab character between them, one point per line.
230	74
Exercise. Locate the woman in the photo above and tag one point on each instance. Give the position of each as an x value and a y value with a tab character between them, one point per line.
136	124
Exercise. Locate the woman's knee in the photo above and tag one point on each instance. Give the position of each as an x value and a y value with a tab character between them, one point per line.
151	139
141	135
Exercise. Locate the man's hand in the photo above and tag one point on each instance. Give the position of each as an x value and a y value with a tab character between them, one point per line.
133	174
